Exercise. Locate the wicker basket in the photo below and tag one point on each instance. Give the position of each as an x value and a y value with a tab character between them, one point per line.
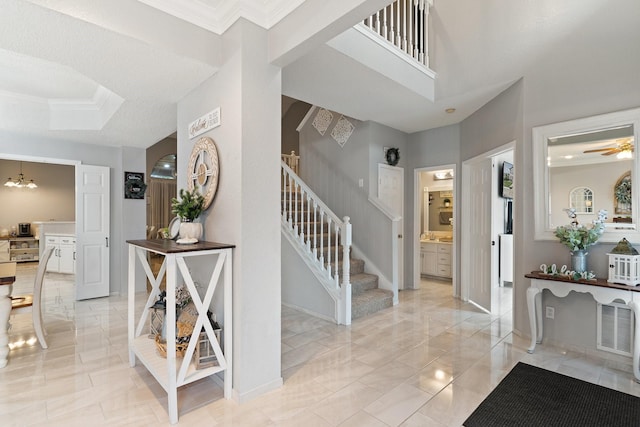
184	330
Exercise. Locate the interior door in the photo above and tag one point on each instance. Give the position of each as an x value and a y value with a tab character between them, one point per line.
92	231
480	245
391	193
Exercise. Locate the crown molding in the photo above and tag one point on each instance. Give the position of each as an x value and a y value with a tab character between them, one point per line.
220	17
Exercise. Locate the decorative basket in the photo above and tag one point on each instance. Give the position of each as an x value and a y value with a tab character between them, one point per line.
183	330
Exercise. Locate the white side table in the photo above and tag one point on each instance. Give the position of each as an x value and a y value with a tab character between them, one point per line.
170	372
601	290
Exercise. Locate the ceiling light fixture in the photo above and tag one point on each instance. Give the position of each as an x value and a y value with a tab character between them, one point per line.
450	110
440	175
625	154
20	182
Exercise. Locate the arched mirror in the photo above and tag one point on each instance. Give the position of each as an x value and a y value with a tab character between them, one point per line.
581	158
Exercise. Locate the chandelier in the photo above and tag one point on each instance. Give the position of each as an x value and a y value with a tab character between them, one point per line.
21	182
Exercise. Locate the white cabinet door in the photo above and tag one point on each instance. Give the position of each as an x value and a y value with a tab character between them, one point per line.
429	263
67	253
4	251
54	260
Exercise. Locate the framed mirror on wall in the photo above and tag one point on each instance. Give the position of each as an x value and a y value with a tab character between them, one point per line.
576	160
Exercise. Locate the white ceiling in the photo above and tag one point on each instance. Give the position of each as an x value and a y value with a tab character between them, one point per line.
111	72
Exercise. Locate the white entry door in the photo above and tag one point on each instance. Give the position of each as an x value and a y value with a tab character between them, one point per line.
92	231
477	244
391	193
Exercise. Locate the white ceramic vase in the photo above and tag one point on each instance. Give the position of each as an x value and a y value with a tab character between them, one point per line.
190	230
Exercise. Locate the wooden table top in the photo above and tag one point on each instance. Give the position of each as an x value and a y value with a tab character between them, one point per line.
595	282
165	246
7	273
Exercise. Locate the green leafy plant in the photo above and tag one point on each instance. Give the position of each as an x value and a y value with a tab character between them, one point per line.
623	191
189	206
579	237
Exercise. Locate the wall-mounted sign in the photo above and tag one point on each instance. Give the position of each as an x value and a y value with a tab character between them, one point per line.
207	122
134	186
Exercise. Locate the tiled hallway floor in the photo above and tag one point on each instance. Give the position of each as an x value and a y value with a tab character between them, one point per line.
428	361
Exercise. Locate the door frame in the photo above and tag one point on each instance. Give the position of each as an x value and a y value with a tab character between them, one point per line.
465	213
398	242
53	161
416	225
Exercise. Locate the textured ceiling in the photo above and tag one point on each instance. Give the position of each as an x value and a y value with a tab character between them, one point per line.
132	61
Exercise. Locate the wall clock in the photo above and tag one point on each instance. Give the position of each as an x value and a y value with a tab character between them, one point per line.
203	169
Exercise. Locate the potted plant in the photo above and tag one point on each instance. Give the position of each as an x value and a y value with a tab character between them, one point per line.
188	208
579	237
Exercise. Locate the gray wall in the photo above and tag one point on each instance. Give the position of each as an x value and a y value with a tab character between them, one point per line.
118	160
435	147
246	209
300	288
333	173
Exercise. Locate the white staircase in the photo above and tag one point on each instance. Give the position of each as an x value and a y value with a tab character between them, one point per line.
324	242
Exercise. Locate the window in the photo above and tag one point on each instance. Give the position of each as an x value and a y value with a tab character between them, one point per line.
581	199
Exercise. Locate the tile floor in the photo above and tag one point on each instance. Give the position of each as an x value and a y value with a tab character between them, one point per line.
429	361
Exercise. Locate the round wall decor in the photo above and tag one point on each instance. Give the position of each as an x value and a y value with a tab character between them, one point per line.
203	169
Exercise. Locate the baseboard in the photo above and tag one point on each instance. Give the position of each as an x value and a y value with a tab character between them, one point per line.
309	312
252	394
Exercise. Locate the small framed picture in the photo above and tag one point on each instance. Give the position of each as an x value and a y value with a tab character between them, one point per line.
134	186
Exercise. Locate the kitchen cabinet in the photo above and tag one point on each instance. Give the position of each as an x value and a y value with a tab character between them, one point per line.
435	259
63	259
19	249
4	251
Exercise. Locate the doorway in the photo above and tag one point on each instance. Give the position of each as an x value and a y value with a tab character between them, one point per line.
434	225
490	224
88	223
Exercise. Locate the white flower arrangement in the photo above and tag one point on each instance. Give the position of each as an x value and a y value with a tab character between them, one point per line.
579	237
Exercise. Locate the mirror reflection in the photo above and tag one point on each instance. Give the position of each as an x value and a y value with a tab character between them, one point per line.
586	172
588	164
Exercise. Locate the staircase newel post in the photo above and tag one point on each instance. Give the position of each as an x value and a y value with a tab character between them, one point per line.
346	269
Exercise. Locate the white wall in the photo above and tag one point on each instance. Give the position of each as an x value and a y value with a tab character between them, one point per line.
246	209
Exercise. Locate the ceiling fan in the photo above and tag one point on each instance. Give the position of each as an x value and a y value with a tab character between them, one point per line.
626	147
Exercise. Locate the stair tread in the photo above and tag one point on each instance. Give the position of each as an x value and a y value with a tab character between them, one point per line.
373	294
362	277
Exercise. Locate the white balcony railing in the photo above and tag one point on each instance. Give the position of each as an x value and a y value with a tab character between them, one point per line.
321	237
404	24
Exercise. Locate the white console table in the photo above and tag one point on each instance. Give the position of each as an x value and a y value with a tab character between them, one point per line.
171	373
601	290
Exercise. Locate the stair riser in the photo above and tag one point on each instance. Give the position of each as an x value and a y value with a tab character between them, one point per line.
371	307
363	286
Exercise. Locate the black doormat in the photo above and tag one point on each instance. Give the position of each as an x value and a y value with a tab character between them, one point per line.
532	396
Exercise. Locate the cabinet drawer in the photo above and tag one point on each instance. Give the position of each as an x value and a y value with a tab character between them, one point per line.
444	270
52	239
444	249
428	247
67	240
444	259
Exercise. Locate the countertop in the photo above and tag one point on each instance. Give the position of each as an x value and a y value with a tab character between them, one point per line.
436	241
